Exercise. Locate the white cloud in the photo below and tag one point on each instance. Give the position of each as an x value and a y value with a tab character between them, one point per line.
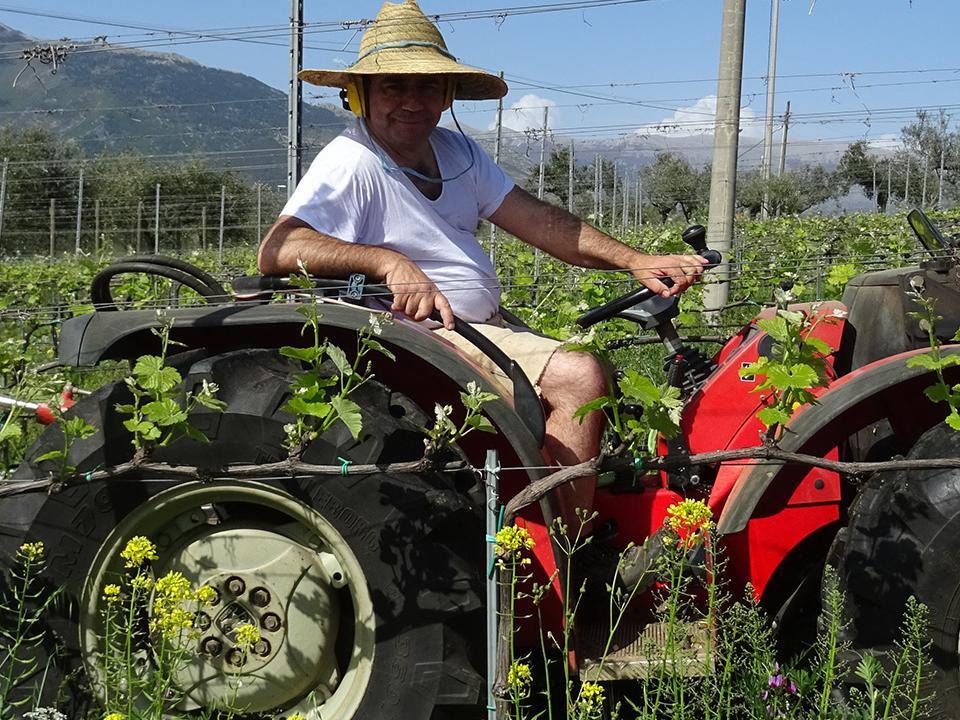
698	119
887	142
527	114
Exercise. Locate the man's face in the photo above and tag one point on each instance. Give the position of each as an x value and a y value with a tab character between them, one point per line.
402	110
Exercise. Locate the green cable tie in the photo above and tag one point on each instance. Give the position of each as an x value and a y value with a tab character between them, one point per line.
345	464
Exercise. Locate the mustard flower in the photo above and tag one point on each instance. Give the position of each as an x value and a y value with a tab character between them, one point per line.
142	581
115	716
138	551
296	716
590	701
247	636
512	540
206	595
32	552
690	520
111	593
519	679
169	617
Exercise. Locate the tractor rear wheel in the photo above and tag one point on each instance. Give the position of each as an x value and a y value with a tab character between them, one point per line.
366	589
903	540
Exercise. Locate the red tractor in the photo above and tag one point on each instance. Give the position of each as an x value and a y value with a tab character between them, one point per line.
369	589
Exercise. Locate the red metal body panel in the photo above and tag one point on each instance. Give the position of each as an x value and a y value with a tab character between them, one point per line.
723	416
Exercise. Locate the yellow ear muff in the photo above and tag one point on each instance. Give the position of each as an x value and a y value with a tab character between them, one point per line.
355	99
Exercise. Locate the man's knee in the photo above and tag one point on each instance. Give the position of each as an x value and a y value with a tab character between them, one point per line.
574	374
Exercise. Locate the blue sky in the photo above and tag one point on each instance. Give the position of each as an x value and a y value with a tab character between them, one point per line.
851	68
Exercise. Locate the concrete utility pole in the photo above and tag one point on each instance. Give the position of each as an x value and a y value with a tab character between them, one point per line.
295	97
889	185
876	199
923	194
540	188
53	224
203	227
259	211
156	222
723	178
139	222
79	211
783	142
96	227
496	159
639	220
906	190
943	153
771	97
613	199
570	180
223	207
3	192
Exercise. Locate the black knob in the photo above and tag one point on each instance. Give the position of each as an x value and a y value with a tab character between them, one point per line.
696	237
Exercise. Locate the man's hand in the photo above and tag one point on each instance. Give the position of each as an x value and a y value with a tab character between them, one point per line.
683	270
414	294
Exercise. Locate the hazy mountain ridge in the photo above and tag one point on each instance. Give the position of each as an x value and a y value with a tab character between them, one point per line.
156	103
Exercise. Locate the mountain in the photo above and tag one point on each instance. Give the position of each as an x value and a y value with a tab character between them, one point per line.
156	103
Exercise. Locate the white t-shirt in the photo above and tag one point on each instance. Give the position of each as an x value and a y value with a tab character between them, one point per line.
348	193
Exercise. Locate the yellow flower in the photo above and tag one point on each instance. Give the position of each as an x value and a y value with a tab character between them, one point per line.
296	716
519	679
170	618
142	581
206	595
690	520
32	552
512	540
591	699
111	593
114	716
247	636
173	587
138	551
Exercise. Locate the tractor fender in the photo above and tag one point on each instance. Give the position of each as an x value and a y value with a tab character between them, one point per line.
86	340
885	389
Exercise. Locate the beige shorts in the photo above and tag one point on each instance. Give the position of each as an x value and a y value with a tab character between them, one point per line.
531	350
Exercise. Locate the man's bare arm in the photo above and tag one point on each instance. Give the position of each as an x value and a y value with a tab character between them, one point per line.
568	238
291	240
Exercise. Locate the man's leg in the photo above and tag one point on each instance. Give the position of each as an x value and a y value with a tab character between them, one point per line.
571	380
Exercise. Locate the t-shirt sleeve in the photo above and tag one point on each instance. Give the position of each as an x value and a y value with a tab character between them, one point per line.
329	197
493	183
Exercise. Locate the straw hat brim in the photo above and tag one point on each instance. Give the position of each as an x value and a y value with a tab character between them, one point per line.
472	83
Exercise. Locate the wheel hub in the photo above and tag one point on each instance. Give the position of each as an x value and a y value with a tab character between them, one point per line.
279	587
274	563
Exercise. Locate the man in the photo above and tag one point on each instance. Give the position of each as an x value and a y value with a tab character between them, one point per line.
398	199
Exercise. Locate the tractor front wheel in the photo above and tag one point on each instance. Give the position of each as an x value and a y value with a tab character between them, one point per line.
365	588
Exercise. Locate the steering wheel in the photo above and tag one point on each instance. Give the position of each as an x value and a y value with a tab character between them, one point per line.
179	271
613	307
617	305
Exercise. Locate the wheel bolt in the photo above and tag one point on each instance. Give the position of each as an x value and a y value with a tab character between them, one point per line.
271	622
260	597
235	657
203	621
211	646
236	585
215	600
262	648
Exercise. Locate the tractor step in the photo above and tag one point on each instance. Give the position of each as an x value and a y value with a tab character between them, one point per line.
639	651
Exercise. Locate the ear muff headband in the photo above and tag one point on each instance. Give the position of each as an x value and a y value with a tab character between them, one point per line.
356	99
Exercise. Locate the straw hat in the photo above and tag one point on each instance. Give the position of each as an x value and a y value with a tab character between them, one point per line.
403	41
